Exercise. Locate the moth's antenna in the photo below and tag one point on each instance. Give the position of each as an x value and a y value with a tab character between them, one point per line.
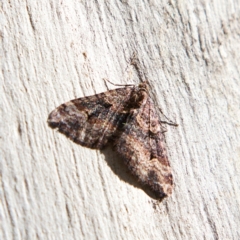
120	85
135	62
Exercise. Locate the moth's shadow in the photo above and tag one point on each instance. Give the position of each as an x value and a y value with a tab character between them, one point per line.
116	163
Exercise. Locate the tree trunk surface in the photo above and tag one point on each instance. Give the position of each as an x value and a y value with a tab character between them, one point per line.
55	51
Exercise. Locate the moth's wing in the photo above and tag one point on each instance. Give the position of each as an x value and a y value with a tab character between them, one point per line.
92	121
142	145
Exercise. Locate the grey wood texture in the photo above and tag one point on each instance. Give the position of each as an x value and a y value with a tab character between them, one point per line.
55	51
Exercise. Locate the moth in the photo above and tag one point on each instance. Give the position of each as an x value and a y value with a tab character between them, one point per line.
127	119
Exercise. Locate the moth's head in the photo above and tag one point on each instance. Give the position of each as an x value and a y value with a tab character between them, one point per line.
139	95
144	86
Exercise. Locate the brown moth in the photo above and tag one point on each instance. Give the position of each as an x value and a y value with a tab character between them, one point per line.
127	118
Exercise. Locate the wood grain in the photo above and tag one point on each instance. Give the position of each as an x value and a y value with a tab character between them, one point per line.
52	52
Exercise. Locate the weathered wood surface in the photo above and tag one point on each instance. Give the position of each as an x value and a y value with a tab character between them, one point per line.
54	51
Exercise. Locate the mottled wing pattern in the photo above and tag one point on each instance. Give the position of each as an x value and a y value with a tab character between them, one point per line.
142	146
92	121
127	118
